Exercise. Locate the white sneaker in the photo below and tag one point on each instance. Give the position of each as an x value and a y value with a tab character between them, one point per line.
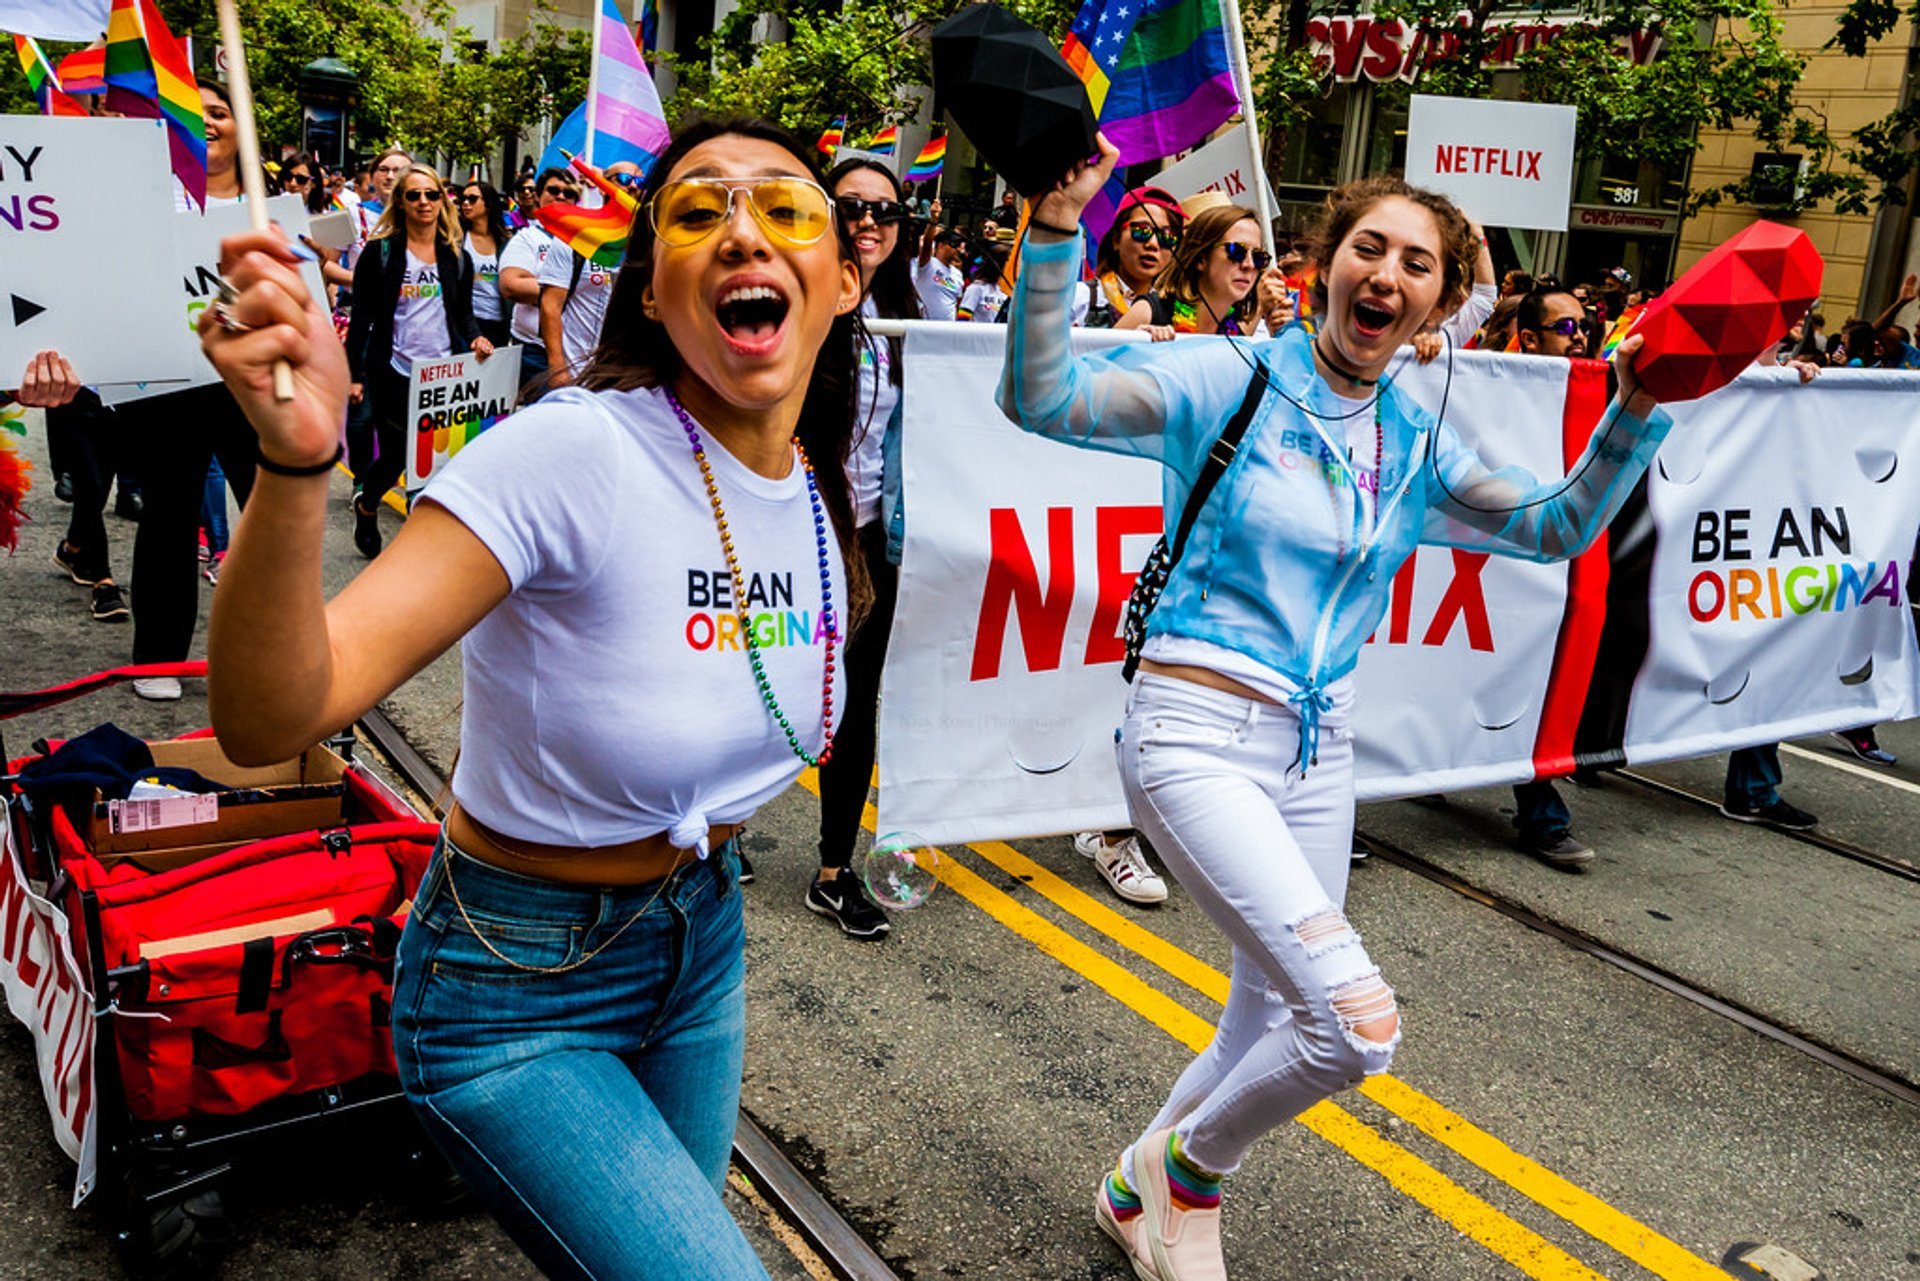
158	689
1124	866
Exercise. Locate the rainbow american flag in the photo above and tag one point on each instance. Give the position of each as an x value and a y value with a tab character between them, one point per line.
47	92
598	234
84	71
1159	79
148	75
927	165
882	143
831	136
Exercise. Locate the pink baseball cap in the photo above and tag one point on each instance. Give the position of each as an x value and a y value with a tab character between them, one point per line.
1148	194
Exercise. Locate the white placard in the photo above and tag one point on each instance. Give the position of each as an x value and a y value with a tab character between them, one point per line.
1508	164
453	400
196	248
82	205
1223	165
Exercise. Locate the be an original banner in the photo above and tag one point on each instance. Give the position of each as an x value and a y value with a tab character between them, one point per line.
453	400
1753	589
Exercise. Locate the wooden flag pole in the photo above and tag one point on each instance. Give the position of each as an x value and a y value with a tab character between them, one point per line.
253	180
1243	85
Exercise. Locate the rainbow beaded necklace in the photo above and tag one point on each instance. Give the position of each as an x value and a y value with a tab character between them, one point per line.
827	617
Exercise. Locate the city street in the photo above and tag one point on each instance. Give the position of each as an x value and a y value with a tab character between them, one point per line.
1730	1058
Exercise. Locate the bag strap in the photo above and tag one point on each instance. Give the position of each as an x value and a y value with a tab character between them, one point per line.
1218	458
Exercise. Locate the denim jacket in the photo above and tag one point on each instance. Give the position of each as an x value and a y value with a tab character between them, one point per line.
1281	566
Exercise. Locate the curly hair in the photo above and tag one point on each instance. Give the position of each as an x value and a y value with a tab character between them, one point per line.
1179	280
1346	205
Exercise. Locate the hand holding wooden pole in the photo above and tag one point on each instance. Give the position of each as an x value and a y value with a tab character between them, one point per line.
252	176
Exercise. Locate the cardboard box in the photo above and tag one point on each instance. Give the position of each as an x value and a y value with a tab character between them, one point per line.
300	795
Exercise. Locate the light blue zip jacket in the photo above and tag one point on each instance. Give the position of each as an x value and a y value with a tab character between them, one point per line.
1280	566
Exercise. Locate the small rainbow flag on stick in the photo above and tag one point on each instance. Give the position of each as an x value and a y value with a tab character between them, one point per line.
927	165
883	142
84	71
830	137
1618	333
47	92
148	75
598	234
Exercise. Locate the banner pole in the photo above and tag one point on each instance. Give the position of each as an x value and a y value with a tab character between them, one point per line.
253	179
1243	85
593	80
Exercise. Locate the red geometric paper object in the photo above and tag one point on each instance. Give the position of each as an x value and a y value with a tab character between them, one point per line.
1735	303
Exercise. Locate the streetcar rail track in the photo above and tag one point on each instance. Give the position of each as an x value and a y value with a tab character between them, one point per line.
801	1205
1832	844
1859	1069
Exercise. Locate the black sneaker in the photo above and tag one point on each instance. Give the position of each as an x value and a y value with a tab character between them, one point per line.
128	505
845	900
1864	744
63	486
66	558
1787	818
1560	850
109	606
366	530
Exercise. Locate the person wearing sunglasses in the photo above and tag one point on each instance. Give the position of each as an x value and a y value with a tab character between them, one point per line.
569	1003
939	276
1236	749
413	301
483	216
1144	233
520	264
870	206
573	297
1207	285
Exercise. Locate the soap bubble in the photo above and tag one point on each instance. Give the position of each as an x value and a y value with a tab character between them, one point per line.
901	871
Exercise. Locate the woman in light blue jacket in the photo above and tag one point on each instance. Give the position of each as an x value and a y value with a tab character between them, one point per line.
1236	753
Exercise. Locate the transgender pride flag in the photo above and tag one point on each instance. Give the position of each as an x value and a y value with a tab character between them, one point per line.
1158	76
623	107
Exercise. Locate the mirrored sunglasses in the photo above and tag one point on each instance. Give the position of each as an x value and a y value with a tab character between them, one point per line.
1237	254
794	211
1142	232
1566	327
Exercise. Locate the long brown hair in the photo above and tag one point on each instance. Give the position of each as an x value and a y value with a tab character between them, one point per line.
1346	205
1179	280
636	350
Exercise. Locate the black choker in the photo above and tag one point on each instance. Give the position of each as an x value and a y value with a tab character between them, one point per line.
1342	370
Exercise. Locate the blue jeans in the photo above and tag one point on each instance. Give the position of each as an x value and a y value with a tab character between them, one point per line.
213	507
591	1110
1539	812
1753	776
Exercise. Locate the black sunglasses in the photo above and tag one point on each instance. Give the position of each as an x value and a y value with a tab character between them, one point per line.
1566	327
417	194
1142	232
558	193
300	178
1237	254
853	209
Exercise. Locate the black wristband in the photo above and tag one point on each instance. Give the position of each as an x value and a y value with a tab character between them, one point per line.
281	469
1047	226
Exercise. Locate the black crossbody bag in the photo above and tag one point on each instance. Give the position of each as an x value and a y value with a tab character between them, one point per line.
1160	561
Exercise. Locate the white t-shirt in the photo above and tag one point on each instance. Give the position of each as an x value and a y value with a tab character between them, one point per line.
527	251
420	317
939	288
878	396
586	304
982	302
610	696
486	282
1465	323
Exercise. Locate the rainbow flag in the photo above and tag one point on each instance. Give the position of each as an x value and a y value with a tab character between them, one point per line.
84	71
1620	329
927	165
883	142
648	21
623	107
148	75
598	234
1158	76
47	92
831	136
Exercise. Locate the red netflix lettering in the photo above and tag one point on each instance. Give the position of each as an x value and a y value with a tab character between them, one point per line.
1401	603
1465	599
1013	581
1504	161
1110	525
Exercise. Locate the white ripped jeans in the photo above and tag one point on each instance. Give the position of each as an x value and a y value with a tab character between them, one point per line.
1210	778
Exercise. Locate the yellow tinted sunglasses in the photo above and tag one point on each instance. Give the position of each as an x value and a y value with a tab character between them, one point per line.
795	211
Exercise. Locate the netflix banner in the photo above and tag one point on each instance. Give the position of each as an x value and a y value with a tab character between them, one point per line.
1753	589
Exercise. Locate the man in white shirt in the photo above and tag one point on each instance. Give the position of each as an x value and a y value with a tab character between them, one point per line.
573	299
520	264
937	277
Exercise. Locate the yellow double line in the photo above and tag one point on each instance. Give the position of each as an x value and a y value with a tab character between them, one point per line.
1512	1240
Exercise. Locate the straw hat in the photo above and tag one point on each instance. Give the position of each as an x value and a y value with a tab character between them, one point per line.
1201	201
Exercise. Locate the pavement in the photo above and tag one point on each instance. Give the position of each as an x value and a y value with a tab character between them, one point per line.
957	1090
